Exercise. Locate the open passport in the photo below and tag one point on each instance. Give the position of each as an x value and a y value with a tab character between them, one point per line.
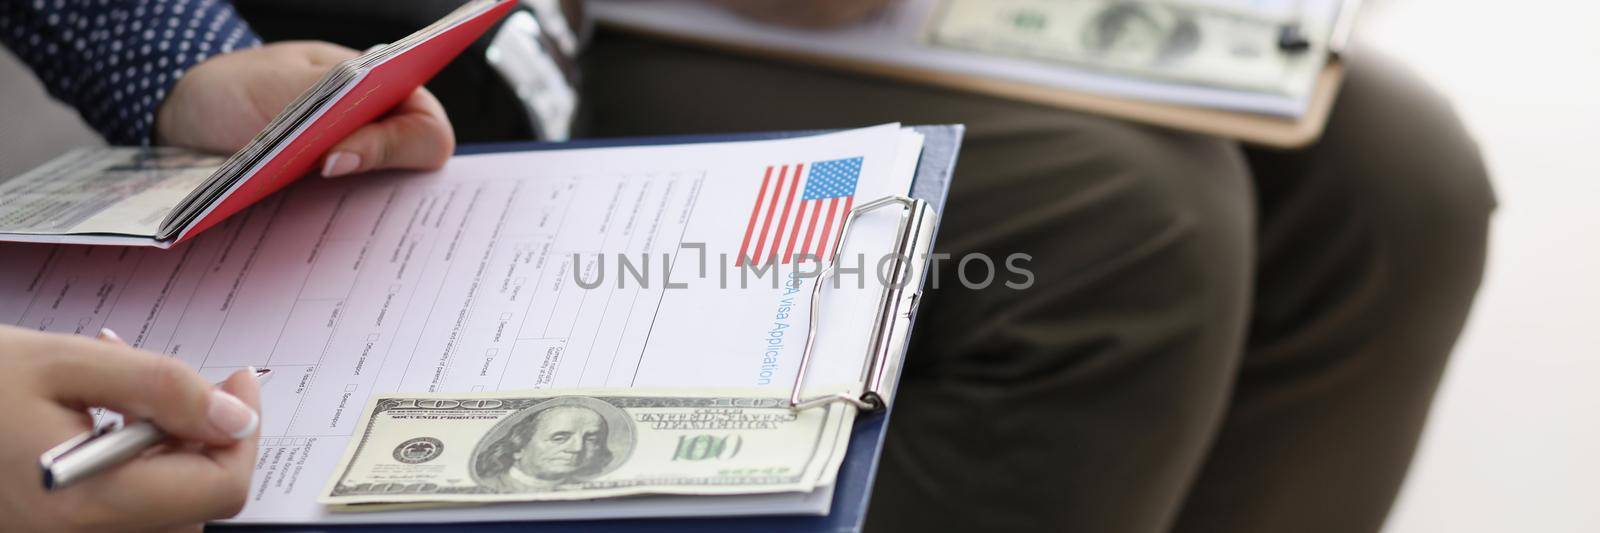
144	197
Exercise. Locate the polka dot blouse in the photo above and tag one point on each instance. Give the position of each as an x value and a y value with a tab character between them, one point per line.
115	60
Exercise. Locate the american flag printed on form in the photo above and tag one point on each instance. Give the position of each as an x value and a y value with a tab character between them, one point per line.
784	231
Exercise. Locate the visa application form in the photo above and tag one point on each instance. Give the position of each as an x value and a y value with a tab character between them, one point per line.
483	276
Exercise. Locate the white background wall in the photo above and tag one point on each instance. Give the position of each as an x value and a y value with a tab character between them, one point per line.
1514	442
33	128
1514	439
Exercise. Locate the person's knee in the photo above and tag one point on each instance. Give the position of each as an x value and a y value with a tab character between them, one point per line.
1384	221
1122	347
1117	222
1167	208
1416	180
1069	181
1405	151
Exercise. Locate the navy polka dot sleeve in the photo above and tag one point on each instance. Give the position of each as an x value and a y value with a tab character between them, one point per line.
115	60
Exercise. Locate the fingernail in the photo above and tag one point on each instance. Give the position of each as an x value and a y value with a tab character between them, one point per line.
107	335
230	415
340	163
261	375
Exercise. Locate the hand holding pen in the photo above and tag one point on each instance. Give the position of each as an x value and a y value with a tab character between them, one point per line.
107	446
202	472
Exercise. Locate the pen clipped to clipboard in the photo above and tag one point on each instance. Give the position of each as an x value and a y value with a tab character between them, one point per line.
897	305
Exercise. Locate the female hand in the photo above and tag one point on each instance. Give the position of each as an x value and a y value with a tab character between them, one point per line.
47	382
220	105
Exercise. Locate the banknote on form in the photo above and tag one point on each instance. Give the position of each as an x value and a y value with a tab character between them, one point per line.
414	450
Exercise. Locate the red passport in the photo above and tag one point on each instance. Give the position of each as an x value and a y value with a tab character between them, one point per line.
160	197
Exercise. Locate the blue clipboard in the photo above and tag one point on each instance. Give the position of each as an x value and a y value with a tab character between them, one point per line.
941	146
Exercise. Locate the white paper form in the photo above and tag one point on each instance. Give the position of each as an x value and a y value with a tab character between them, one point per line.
463	280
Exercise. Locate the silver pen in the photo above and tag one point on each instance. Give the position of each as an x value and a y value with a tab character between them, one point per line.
95	450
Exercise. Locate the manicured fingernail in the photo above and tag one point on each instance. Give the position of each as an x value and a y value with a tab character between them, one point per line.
230	415
107	335
340	163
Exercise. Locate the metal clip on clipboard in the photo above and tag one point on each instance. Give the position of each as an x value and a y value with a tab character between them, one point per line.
896	306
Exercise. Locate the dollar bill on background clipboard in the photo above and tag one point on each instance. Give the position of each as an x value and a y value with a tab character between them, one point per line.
1195	43
1260	71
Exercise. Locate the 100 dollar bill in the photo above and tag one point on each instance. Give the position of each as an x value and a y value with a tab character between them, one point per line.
1158	39
584	444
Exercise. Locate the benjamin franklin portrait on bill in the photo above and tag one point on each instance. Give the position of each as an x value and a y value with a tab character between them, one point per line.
559	442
